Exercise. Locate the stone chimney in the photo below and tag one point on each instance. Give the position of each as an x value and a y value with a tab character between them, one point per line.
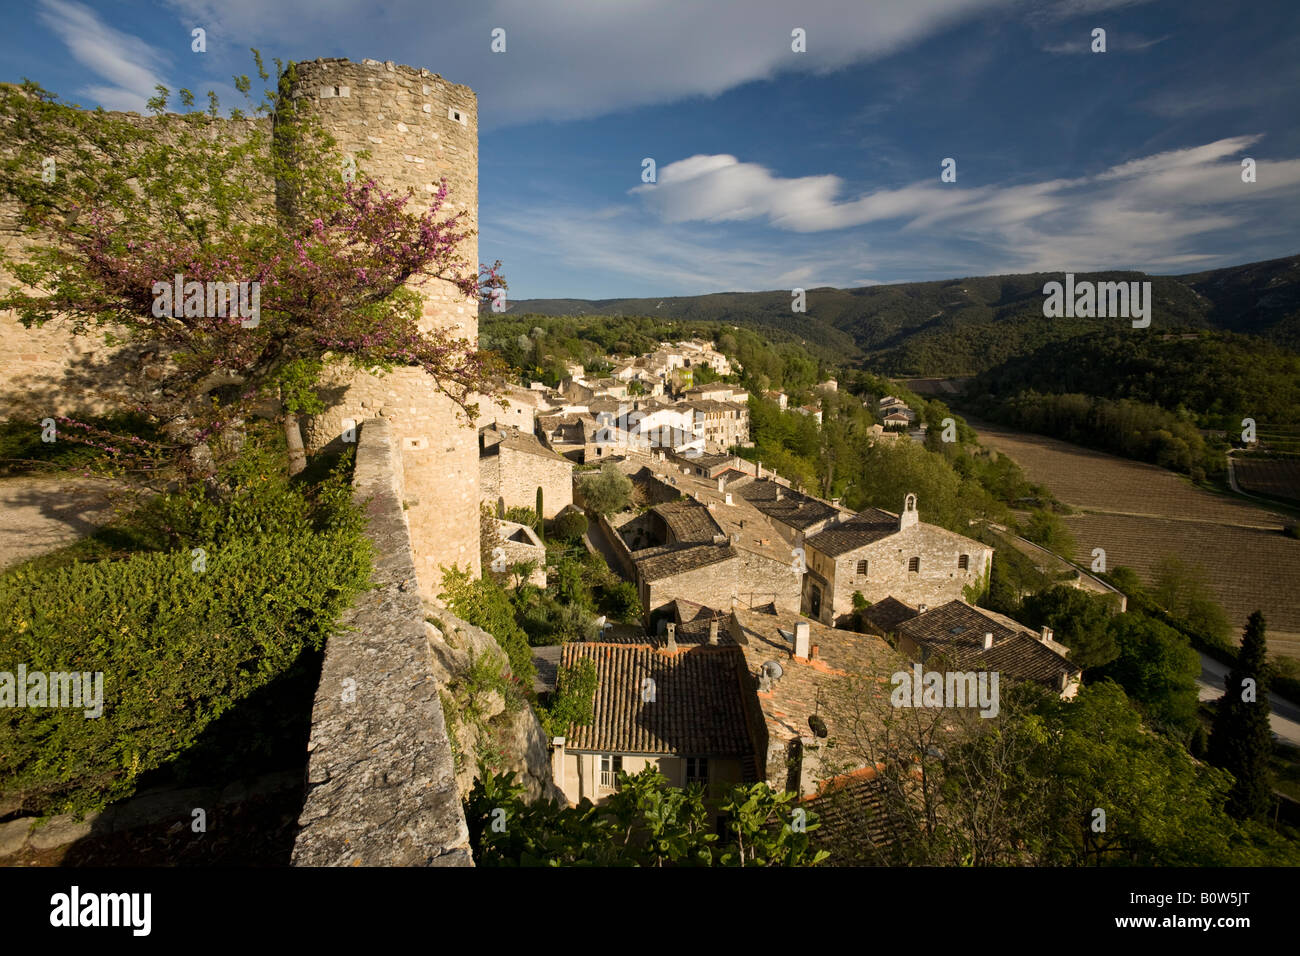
557	761
988	640
1046	634
722	485
802	639
671	630
778	492
713	632
728	499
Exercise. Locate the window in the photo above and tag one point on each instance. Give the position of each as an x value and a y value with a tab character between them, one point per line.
610	765
697	770
914	564
963	562
862	569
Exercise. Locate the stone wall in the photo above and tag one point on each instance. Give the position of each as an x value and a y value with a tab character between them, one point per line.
514	476
381	781
938	580
751	579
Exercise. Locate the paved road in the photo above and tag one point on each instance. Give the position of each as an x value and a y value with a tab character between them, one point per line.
42	514
1285	717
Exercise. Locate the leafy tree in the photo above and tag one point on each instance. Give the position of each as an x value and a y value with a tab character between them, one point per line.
1158	669
1241	741
644	823
1048	530
1079	620
607	491
134	204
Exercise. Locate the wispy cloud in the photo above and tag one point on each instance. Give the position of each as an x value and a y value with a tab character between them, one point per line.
130	67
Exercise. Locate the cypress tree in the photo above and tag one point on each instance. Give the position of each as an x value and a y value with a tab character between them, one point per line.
541	522
1241	741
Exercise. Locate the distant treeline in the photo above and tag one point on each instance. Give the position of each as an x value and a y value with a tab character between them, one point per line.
1218	377
1120	426
1143	396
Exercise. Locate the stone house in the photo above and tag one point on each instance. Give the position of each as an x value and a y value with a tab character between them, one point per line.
514	464
796	667
883	554
515	544
680	709
956	636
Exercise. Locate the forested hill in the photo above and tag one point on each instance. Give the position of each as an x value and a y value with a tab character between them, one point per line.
965	326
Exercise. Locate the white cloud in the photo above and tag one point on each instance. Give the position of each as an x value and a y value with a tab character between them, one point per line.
1138	213
584	58
130	66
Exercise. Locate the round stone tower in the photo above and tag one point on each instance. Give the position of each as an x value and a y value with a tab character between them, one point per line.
418	129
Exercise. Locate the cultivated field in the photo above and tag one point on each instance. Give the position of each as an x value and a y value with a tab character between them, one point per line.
1139	512
1274	477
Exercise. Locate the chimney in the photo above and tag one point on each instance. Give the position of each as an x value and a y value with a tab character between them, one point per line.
1046	634
815	649
801	639
713	632
722	485
988	640
672	638
778	492
729	501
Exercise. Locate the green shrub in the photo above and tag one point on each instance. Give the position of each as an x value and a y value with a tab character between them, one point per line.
570	526
485	604
575	694
179	642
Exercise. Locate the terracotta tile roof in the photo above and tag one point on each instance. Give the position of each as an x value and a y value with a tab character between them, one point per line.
802	688
856	825
688	520
956	632
888	614
866	527
664	564
525	442
697	707
794	510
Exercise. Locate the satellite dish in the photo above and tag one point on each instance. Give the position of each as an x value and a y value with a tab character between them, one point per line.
772	669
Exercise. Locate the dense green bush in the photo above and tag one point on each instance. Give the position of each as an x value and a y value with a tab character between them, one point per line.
180	636
485	604
570	526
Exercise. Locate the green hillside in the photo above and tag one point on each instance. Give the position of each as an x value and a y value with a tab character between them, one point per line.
966	326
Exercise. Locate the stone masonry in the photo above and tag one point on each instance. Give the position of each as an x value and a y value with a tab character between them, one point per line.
418	129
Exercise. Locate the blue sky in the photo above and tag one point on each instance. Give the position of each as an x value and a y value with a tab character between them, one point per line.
779	169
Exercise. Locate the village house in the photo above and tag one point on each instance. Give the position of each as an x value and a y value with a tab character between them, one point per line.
813	410
678	708
523	405
723	424
514	464
798	669
517	544
881	554
958	637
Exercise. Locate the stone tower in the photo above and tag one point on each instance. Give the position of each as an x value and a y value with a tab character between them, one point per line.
418	129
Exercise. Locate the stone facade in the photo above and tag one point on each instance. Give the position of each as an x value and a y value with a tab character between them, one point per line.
747	577
511	471
381	783
917	563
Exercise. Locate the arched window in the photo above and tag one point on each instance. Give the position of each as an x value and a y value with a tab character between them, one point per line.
914	564
963	562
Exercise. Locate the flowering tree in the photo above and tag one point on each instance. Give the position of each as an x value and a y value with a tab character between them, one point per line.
238	256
